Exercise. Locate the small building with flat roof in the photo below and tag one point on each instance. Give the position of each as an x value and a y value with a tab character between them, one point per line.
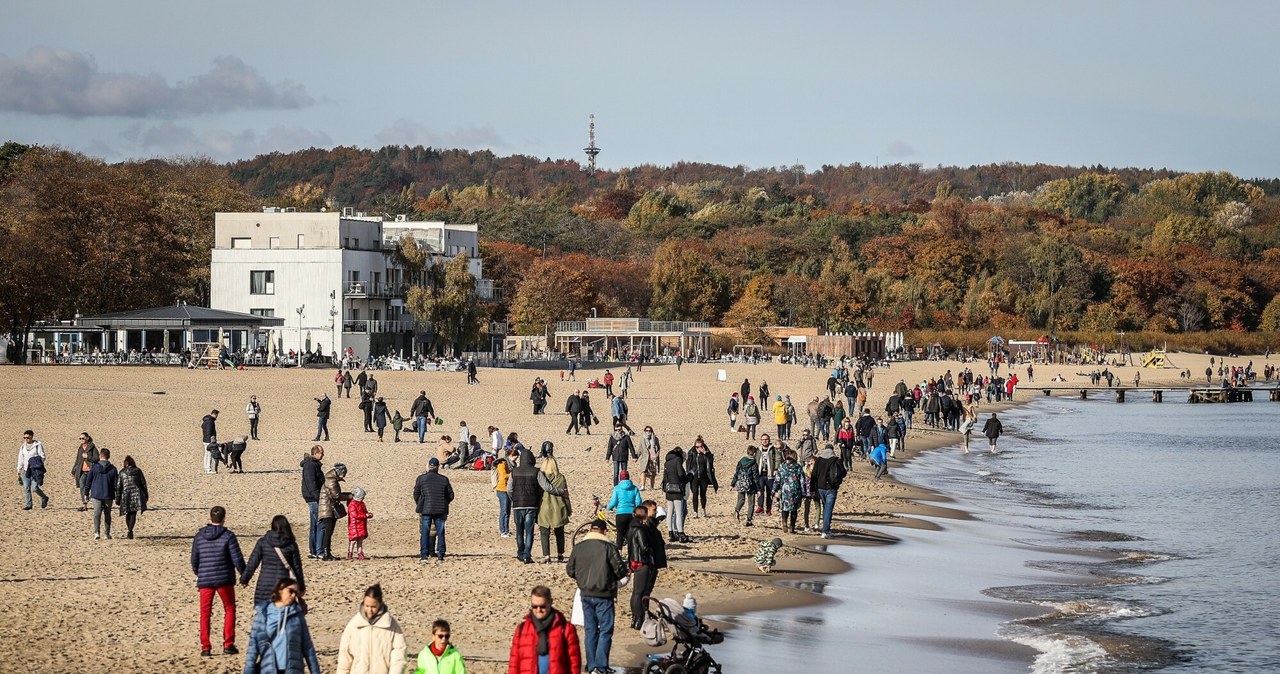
632	335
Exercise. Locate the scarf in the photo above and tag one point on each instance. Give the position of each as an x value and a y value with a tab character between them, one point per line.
543	626
277	618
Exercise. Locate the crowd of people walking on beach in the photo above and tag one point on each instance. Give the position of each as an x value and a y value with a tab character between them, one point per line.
796	472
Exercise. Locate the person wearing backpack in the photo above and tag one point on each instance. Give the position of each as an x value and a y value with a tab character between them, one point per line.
746	482
828	473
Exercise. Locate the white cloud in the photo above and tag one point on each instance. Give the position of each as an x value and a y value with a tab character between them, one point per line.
51	81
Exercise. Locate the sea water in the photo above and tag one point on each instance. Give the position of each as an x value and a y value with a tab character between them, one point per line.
1106	537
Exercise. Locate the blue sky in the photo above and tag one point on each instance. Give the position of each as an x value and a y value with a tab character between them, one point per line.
1184	85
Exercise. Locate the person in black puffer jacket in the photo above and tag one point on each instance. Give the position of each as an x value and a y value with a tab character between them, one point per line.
526	486
277	553
312	479
674	478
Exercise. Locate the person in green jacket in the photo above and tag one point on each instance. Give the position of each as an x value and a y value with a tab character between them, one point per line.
397	423
440	656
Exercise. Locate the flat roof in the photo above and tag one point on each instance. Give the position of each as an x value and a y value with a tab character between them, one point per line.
177	316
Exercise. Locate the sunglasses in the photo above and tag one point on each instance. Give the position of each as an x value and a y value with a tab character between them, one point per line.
443	636
537	607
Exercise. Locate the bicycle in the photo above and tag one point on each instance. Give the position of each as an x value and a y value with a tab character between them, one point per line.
600	513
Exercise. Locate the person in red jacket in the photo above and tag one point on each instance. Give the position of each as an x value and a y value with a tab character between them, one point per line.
545	641
357	524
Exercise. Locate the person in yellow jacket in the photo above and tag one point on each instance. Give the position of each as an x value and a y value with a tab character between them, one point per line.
373	642
780	416
440	656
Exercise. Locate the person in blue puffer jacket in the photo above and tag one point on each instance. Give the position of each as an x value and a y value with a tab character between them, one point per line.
279	640
623	502
880	460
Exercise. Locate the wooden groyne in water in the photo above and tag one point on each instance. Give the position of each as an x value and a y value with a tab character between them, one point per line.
1194	395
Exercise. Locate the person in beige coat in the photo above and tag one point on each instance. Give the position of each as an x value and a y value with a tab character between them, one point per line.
373	642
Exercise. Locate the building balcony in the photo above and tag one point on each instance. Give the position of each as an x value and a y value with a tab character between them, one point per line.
370	291
373	327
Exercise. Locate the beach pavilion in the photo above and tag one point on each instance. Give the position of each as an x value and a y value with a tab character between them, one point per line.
632	335
174	328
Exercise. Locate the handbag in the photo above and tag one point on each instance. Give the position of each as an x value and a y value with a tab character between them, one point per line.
339	510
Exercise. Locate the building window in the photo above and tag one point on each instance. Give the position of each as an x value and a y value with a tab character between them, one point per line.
273	242
355	243
269	313
302	241
241	242
355	276
346	242
262	282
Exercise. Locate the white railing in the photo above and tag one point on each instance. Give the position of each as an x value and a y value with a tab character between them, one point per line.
376	326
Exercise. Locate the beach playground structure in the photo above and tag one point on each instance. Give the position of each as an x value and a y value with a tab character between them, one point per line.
1157	358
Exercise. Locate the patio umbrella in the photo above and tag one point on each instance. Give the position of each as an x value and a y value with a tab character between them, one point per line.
166	344
271	347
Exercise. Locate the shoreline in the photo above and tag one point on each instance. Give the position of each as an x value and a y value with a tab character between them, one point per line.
64	584
912	501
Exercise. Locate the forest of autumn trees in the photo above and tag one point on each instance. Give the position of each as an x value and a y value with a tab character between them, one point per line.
995	247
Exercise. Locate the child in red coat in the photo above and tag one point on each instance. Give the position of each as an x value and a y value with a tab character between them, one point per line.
357	524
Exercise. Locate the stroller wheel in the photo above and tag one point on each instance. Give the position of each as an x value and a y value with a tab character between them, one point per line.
676	669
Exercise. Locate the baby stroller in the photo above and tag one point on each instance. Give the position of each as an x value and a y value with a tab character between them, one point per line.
667	617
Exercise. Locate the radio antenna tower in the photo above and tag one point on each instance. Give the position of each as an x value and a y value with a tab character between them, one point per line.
591	148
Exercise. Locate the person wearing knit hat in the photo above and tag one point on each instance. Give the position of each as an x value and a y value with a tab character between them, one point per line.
766	555
623	502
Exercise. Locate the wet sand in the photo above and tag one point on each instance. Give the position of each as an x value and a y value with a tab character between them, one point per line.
76	602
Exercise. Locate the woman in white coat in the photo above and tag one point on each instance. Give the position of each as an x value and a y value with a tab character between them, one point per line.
373	642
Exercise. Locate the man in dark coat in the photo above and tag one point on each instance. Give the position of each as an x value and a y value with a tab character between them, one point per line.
323	404
597	567
432	493
992	429
619	451
312	480
573	407
216	560
526	496
423	413
366	406
209	436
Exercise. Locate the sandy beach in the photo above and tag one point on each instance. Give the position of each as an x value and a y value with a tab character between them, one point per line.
76	603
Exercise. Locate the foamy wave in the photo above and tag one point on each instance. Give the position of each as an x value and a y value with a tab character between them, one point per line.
1061	653
1136	557
1134	580
1089	611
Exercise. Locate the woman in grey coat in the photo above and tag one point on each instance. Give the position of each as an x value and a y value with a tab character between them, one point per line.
86	456
131	492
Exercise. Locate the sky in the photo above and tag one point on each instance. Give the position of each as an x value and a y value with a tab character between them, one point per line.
1185	85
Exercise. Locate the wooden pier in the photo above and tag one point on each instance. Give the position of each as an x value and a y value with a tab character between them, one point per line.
1194	394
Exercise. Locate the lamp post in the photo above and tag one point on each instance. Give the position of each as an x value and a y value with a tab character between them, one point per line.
333	320
300	311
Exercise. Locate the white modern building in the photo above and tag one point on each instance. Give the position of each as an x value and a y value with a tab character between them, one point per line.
329	275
